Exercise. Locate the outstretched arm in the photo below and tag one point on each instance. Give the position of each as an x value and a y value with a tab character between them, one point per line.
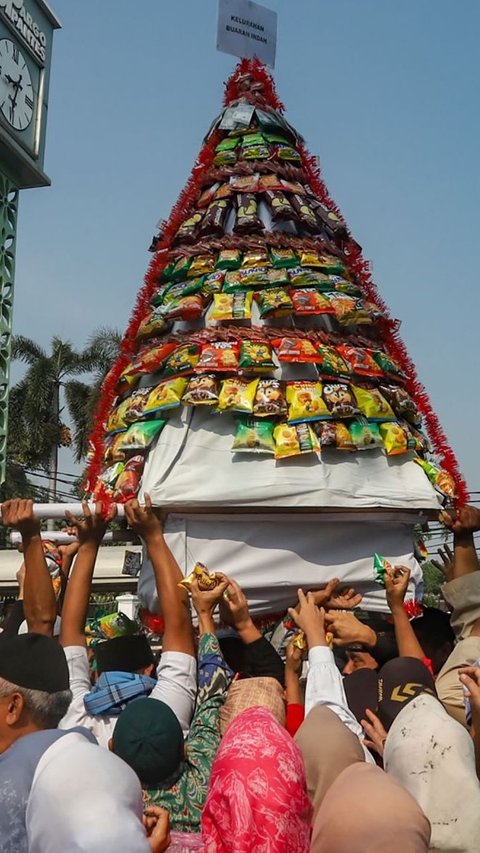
90	532
396	583
38	596
463	525
174	604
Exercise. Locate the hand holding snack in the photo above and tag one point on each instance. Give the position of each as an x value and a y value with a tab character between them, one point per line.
396	585
234	607
310	619
205	601
346	629
294	657
464	520
205	581
335	597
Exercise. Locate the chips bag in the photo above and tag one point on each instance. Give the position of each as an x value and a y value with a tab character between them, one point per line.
138	437
186	308
269	399
167	395
128	482
201	265
182	361
180	269
340	400
283	257
229	259
330	363
255	357
274	302
343	439
401	402
380	566
257	257
395	438
372	404
278	276
308	300
153	324
179	289
116	625
305	402
237	395
299	350
303	277
109	475
326	433
116	422
251	277
152	359
360	361
137	402
201	390
365	435
388	365
253	436
213	283
294	440
206	580
442	481
219	356
232	306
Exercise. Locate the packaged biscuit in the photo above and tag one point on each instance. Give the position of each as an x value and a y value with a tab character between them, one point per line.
343	439
128	482
270	399
152	358
182	361
295	350
304	213
395	438
365	435
330	363
257	257
137	402
340	400
201	390
245	278
283	258
274	302
244	183
213	222
278	276
254	436
189	228
308	300
154	323
206	580
201	265
255	357
237	395
442	481
280	207
229	259
218	356
401	402
232	306
360	361
305	402
138	437
372	404
116	422
166	395
247	220
294	440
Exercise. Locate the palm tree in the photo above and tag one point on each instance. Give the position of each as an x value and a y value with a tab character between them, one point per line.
37	402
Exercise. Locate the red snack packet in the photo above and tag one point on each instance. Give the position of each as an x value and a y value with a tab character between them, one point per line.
308	300
360	361
129	480
292	349
219	356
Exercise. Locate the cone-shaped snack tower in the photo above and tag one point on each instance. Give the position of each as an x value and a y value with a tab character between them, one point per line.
262	387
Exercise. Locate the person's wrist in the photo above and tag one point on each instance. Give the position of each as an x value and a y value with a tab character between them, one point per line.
206	624
153	535
244	624
30	534
315	637
369	637
465	537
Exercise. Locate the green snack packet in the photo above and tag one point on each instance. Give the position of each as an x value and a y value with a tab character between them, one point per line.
227	144
441	480
225	158
180	269
380	565
254	436
229	259
252	139
365	435
181	361
275	302
179	289
256	152
139	436
283	258
213	283
116	625
288	154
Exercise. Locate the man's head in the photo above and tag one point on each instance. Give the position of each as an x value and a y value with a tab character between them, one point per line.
125	654
435	635
358	659
34	686
149	738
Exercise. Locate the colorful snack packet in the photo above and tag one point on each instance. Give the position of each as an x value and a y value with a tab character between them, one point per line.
206	580
244	183
154	323
269	399
343	439
177	290
187	308
309	258
308	300
283	258
189	228
237	395
182	361
442	481
232	306
218	356
229	259
293	350
128	482
257	257
255	357
360	361
274	302
333	265
227	144
201	265
365	435
213	222
247	220
213	283
380	566
112	448
395	438
116	422
166	395
288	154
294	440
372	404
138	437
245	278
278	276
300	641
401	402
330	363
110	475
225	158
180	269
388	365
304	277
325	432
137	402
152	358
254	436
305	402
116	625
304	213
201	390
340	400
280	207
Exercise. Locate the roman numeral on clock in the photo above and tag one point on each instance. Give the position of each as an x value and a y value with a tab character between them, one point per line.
29	102
16	53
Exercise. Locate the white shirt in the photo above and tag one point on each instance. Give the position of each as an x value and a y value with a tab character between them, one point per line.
84	799
176	686
325	687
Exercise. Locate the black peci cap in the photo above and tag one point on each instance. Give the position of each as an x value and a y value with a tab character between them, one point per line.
34	661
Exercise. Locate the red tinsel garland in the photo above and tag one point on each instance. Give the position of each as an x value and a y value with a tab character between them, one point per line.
259	73
393	341
179	213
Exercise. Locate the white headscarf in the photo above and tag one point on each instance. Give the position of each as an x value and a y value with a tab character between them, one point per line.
84	799
432	756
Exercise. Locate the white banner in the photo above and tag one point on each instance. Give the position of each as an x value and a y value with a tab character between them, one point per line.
246	29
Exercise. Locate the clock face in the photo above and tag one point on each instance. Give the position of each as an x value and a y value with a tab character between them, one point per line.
16	90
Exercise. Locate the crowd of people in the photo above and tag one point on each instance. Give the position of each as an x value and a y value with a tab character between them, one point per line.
365	739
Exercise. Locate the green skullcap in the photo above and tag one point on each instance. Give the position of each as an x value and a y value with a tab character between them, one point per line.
149	738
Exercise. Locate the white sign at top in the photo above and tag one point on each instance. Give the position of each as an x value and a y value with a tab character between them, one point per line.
246	29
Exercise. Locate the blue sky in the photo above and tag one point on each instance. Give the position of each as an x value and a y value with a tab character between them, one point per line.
386	93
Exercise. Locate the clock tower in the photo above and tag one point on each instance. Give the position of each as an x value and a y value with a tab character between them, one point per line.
26	35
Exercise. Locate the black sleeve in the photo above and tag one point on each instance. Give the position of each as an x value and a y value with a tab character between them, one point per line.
14	619
261	659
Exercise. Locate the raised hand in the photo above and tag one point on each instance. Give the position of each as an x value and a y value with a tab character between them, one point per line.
234	606
347	629
18	513
396	584
142	519
310	619
157	826
205	601
376	734
446	562
463	520
294	659
91	528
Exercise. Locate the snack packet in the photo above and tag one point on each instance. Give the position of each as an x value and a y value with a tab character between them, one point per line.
213	283
380	566
269	399
177	290
237	395
137	402
232	306
201	265
401	402
152	358
247	220
325	432
303	277
110	475
189	228
360	361
229	259
294	440
116	625
128	482
154	323
253	436
255	357
388	365
308	300
166	395
116	422
277	277
283	257
304	213
182	361
218	356
206	580
343	439
257	257
280	207
305	402
395	438
365	435
440	479
330	363
293	350
372	404
340	400
186	308
179	269
213	222
201	390
274	302
138	437
245	278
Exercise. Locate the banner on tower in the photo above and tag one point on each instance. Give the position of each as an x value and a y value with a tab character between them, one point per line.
247	29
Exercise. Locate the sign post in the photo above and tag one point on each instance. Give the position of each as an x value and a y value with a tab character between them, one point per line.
246	29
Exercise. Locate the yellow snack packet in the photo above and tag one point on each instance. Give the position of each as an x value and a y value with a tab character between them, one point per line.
166	395
305	402
116	421
206	580
237	395
395	439
294	440
372	404
232	306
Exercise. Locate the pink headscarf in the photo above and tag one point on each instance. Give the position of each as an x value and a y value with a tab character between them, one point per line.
257	799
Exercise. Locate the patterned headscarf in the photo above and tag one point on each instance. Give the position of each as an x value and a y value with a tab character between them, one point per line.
257	799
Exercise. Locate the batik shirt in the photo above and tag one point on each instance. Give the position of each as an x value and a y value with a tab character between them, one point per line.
185	799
